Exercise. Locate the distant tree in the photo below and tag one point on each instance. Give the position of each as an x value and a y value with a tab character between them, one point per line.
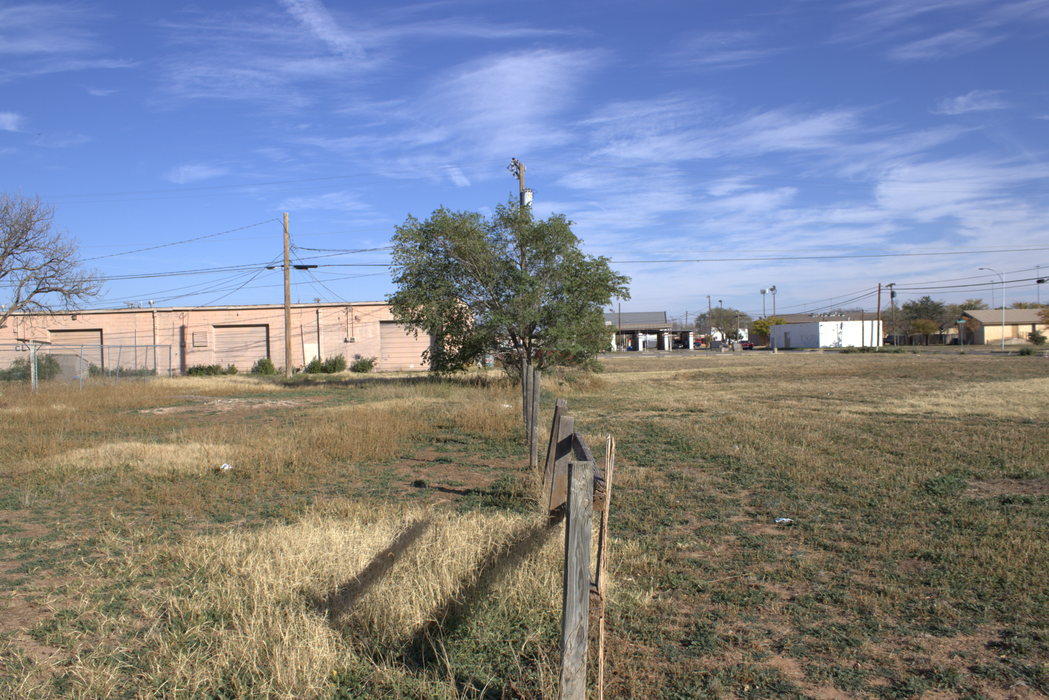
926	309
722	318
1025	305
511	286
39	264
763	327
1044	314
925	327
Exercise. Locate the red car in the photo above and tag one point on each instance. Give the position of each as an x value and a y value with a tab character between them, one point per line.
747	345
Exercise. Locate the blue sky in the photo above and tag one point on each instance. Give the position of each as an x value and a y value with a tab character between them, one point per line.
707	148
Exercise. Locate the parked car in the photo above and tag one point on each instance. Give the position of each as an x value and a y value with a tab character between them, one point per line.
747	345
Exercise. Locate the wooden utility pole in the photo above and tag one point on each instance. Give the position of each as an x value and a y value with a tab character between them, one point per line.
287	299
881	331
518	169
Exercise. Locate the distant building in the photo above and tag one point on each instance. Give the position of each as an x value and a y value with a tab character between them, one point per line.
828	332
1019	323
182	337
644	330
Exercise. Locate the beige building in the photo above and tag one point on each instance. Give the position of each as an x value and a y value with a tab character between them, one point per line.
1019	323
222	335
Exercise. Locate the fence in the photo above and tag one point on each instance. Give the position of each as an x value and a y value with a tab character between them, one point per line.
32	361
574	487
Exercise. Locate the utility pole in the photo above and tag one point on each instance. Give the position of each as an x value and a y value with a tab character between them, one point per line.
517	168
287	300
881	331
709	319
1001	276
892	303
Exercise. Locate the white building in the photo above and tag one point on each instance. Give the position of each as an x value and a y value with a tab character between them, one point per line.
828	334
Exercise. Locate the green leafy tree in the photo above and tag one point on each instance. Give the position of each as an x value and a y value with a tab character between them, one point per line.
723	318
925	327
926	309
763	327
955	311
511	285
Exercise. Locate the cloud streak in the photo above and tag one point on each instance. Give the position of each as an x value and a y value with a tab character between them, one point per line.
975	101
9	121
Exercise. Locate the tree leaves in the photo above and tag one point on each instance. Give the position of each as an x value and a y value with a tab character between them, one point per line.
508	286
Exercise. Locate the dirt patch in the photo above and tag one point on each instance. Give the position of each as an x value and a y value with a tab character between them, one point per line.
1008	487
210	403
17	519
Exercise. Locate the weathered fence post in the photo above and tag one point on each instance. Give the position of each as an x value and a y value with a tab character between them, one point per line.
576	610
562	452
603	505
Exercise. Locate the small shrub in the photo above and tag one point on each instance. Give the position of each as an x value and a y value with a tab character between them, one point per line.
1027	352
315	366
206	371
47	367
1036	337
232	369
334	365
263	366
363	365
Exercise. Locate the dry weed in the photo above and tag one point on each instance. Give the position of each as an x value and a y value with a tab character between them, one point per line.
274	613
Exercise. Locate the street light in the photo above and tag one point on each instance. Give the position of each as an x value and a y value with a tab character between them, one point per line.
721	320
772	291
763	293
1002	278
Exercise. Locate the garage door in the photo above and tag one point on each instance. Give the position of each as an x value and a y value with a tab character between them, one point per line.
401	350
241	346
73	347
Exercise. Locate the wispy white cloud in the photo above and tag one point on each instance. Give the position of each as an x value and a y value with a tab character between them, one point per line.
50	38
44	29
678	128
913	30
457	176
339	201
10	121
101	92
952	43
194	172
715	50
314	16
975	101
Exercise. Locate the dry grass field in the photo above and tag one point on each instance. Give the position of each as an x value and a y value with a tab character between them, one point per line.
378	537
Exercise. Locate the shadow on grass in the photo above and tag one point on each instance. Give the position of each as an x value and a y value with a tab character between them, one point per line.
424	650
345	597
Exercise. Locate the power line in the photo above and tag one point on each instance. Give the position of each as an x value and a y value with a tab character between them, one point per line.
188	240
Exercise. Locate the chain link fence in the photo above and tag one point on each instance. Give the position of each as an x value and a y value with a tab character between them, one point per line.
33	362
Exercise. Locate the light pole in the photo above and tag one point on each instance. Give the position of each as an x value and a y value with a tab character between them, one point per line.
721	320
772	335
1002	278
1040	280
763	292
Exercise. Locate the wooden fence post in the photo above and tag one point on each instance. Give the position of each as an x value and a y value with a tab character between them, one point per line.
560	409
576	610
602	562
562	454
